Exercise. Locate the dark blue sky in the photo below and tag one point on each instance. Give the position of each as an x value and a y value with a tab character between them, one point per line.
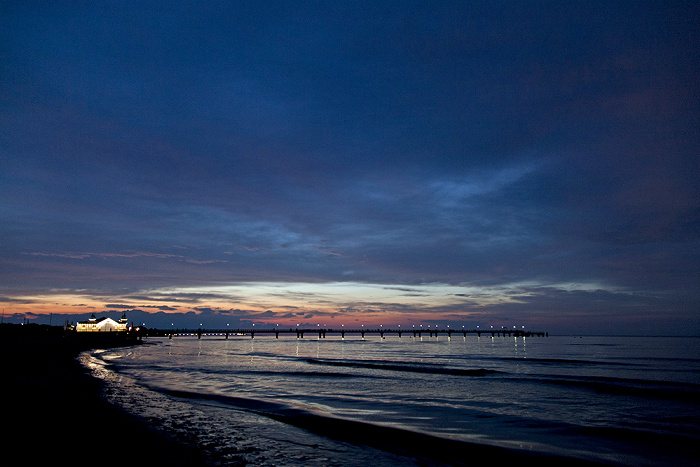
505	163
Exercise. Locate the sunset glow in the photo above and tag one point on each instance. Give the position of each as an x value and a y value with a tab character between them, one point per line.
352	162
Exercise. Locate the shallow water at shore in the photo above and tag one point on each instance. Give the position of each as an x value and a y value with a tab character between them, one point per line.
629	401
231	435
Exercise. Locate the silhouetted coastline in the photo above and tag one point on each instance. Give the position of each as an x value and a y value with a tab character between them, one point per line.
53	409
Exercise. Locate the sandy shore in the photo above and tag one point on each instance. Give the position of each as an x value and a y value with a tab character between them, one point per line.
53	412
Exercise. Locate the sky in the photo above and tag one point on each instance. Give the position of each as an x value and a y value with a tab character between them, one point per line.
204	164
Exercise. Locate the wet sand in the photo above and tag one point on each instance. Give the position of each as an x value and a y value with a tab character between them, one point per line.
53	411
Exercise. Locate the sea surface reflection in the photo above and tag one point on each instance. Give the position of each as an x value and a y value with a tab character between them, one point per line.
623	400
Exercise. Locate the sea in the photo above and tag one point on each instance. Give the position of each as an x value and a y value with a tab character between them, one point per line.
426	401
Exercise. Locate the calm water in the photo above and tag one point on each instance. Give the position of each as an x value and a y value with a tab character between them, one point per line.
630	401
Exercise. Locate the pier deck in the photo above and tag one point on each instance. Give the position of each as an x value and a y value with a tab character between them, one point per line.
323	332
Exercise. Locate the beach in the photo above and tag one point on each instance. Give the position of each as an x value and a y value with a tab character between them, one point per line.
404	401
222	402
53	410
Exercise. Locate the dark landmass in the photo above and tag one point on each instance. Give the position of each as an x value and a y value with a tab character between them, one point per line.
53	410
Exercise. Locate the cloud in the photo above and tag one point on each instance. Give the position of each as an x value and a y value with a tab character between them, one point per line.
105	255
11	300
181	297
160	307
391	144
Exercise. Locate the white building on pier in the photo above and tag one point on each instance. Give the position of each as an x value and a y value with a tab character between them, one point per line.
103	324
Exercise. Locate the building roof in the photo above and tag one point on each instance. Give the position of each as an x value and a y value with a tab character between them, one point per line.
95	320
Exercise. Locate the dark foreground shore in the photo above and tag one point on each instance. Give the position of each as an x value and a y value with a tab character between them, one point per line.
53	412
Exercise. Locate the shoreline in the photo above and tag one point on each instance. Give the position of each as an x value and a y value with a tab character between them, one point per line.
63	415
53	408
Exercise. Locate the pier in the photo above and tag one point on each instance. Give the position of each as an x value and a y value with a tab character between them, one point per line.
321	333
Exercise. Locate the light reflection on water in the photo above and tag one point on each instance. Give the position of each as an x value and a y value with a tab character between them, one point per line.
537	390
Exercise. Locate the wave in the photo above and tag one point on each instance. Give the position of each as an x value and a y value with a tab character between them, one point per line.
633	387
559	360
155	369
691	364
424	448
648	437
625	386
407	367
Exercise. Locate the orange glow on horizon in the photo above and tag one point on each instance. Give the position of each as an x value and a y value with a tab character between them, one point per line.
330	305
